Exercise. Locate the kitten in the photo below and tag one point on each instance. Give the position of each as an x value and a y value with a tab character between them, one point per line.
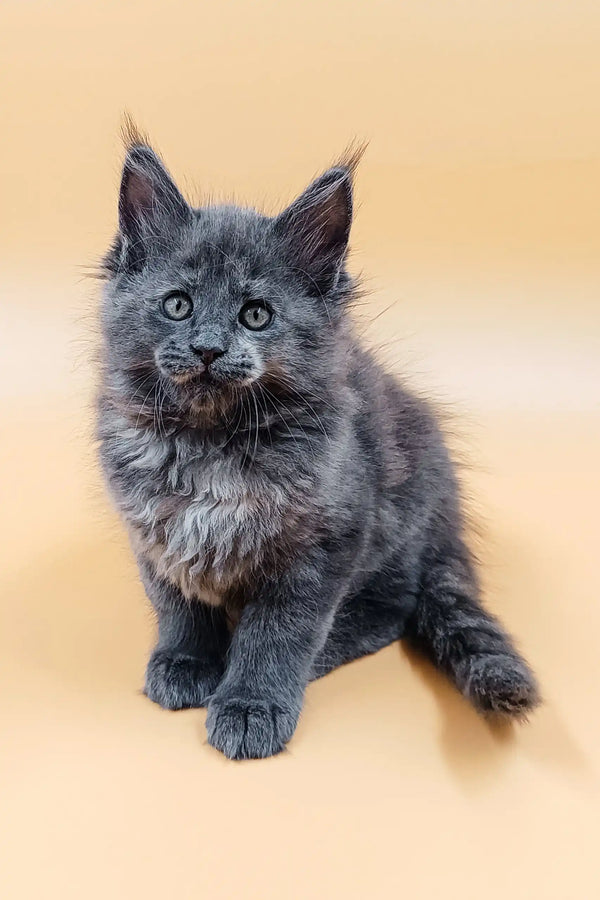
291	505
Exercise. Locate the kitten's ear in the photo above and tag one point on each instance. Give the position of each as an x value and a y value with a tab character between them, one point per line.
316	227
150	203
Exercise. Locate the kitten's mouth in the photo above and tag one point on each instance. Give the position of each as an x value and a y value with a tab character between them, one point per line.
200	388
190	377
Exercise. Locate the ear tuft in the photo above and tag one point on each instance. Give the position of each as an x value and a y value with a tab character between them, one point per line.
352	156
316	227
150	203
131	135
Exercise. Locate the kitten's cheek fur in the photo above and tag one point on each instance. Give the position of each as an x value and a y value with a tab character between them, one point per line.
254	728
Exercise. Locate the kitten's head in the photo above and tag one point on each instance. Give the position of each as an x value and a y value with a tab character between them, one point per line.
207	302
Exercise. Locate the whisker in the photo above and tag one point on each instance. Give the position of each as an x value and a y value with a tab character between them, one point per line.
266	411
249	431
137	388
240	412
257	426
137	421
315	416
278	405
286	381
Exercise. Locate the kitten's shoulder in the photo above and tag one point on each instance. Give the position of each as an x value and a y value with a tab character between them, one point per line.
394	411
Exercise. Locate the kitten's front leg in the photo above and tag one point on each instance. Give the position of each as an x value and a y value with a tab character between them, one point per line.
188	661
255	709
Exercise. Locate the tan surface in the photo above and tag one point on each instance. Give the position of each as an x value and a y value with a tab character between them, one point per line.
479	221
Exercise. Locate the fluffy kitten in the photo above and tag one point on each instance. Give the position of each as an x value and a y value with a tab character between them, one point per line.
292	506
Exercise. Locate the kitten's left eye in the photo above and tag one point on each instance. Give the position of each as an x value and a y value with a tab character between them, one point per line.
255	315
177	306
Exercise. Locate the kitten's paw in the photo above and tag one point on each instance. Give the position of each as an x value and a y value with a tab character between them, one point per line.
249	728
177	681
502	685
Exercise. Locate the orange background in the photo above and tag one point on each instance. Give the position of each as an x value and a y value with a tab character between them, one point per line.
478	232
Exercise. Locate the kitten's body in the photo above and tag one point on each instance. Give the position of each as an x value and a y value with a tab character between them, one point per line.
214	510
298	520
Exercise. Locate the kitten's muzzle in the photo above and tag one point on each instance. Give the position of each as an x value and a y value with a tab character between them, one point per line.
197	367
207	354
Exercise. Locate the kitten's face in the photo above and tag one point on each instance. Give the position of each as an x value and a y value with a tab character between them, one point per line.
206	303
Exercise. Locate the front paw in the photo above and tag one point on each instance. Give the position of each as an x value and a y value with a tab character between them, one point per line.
176	680
249	728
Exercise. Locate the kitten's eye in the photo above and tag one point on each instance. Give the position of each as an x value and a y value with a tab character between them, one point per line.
177	306
255	315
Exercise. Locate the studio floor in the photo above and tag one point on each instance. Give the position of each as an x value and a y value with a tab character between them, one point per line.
391	780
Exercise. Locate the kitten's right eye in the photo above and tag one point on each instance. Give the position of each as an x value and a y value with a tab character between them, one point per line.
177	306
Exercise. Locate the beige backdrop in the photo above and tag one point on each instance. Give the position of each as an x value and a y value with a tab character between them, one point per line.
478	233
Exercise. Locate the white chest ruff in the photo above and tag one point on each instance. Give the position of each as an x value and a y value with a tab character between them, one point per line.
206	540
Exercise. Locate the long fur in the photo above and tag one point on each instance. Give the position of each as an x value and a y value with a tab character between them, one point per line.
296	508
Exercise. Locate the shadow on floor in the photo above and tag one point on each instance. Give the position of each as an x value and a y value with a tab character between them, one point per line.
474	747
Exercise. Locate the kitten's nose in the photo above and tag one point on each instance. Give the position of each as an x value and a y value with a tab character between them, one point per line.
207	354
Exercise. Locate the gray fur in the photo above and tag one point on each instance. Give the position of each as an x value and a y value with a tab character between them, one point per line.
295	508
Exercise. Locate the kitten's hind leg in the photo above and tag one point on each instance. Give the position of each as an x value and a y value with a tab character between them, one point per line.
467	643
363	624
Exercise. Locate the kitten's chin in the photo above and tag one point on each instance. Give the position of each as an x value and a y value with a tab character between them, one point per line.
203	398
206	385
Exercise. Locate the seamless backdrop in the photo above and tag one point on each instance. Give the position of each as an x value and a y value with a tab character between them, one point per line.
477	234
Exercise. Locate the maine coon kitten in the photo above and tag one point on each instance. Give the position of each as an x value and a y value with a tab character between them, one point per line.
292	506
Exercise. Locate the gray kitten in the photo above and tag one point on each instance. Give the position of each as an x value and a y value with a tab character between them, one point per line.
291	505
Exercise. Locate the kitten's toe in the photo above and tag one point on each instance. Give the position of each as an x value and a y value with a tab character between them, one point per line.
177	681
502	685
249	729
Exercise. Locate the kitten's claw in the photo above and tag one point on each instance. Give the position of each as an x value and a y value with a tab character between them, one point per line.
249	728
177	681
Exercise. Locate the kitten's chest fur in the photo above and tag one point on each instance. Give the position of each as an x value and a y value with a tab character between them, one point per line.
205	522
